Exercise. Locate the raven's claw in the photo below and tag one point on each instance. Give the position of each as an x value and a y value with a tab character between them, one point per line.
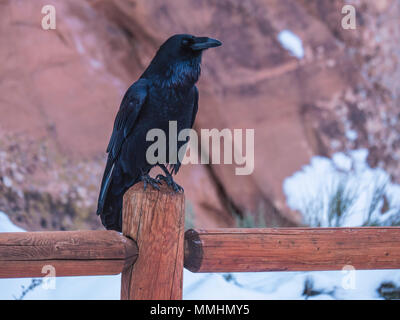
151	181
170	182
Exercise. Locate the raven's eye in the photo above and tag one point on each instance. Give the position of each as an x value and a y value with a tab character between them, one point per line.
186	42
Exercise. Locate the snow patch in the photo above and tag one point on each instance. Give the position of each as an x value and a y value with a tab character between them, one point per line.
6	225
292	43
312	189
7	182
352	135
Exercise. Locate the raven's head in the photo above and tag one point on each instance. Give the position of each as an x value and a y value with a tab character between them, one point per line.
177	62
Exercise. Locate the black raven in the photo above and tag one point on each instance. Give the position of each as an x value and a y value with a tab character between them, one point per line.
165	92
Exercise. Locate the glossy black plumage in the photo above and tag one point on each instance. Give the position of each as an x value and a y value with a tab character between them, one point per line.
165	92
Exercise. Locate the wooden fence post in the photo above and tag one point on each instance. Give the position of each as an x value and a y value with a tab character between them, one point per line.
155	220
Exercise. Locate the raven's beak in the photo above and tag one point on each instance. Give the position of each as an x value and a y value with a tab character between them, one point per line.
202	43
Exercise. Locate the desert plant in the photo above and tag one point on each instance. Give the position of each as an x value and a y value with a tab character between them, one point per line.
251	219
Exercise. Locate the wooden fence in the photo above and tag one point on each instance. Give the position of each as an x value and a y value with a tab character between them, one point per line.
153	248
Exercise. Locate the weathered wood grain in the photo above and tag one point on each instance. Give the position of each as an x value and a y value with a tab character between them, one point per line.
155	220
72	253
291	249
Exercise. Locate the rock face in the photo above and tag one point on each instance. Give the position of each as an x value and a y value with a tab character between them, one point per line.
60	90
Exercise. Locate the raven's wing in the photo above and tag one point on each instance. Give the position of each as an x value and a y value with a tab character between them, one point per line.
196	105
175	167
124	122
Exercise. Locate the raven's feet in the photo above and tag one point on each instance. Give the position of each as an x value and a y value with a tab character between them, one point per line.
151	181
170	182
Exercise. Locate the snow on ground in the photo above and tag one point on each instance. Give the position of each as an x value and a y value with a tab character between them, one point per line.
311	189
288	285
6	225
292	43
66	288
315	181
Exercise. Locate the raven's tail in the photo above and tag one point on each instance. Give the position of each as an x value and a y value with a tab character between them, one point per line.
111	216
113	187
109	205
105	184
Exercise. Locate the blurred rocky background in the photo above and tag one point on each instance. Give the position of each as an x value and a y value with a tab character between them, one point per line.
60	91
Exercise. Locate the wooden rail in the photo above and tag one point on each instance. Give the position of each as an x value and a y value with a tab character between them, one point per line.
152	249
71	253
291	249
